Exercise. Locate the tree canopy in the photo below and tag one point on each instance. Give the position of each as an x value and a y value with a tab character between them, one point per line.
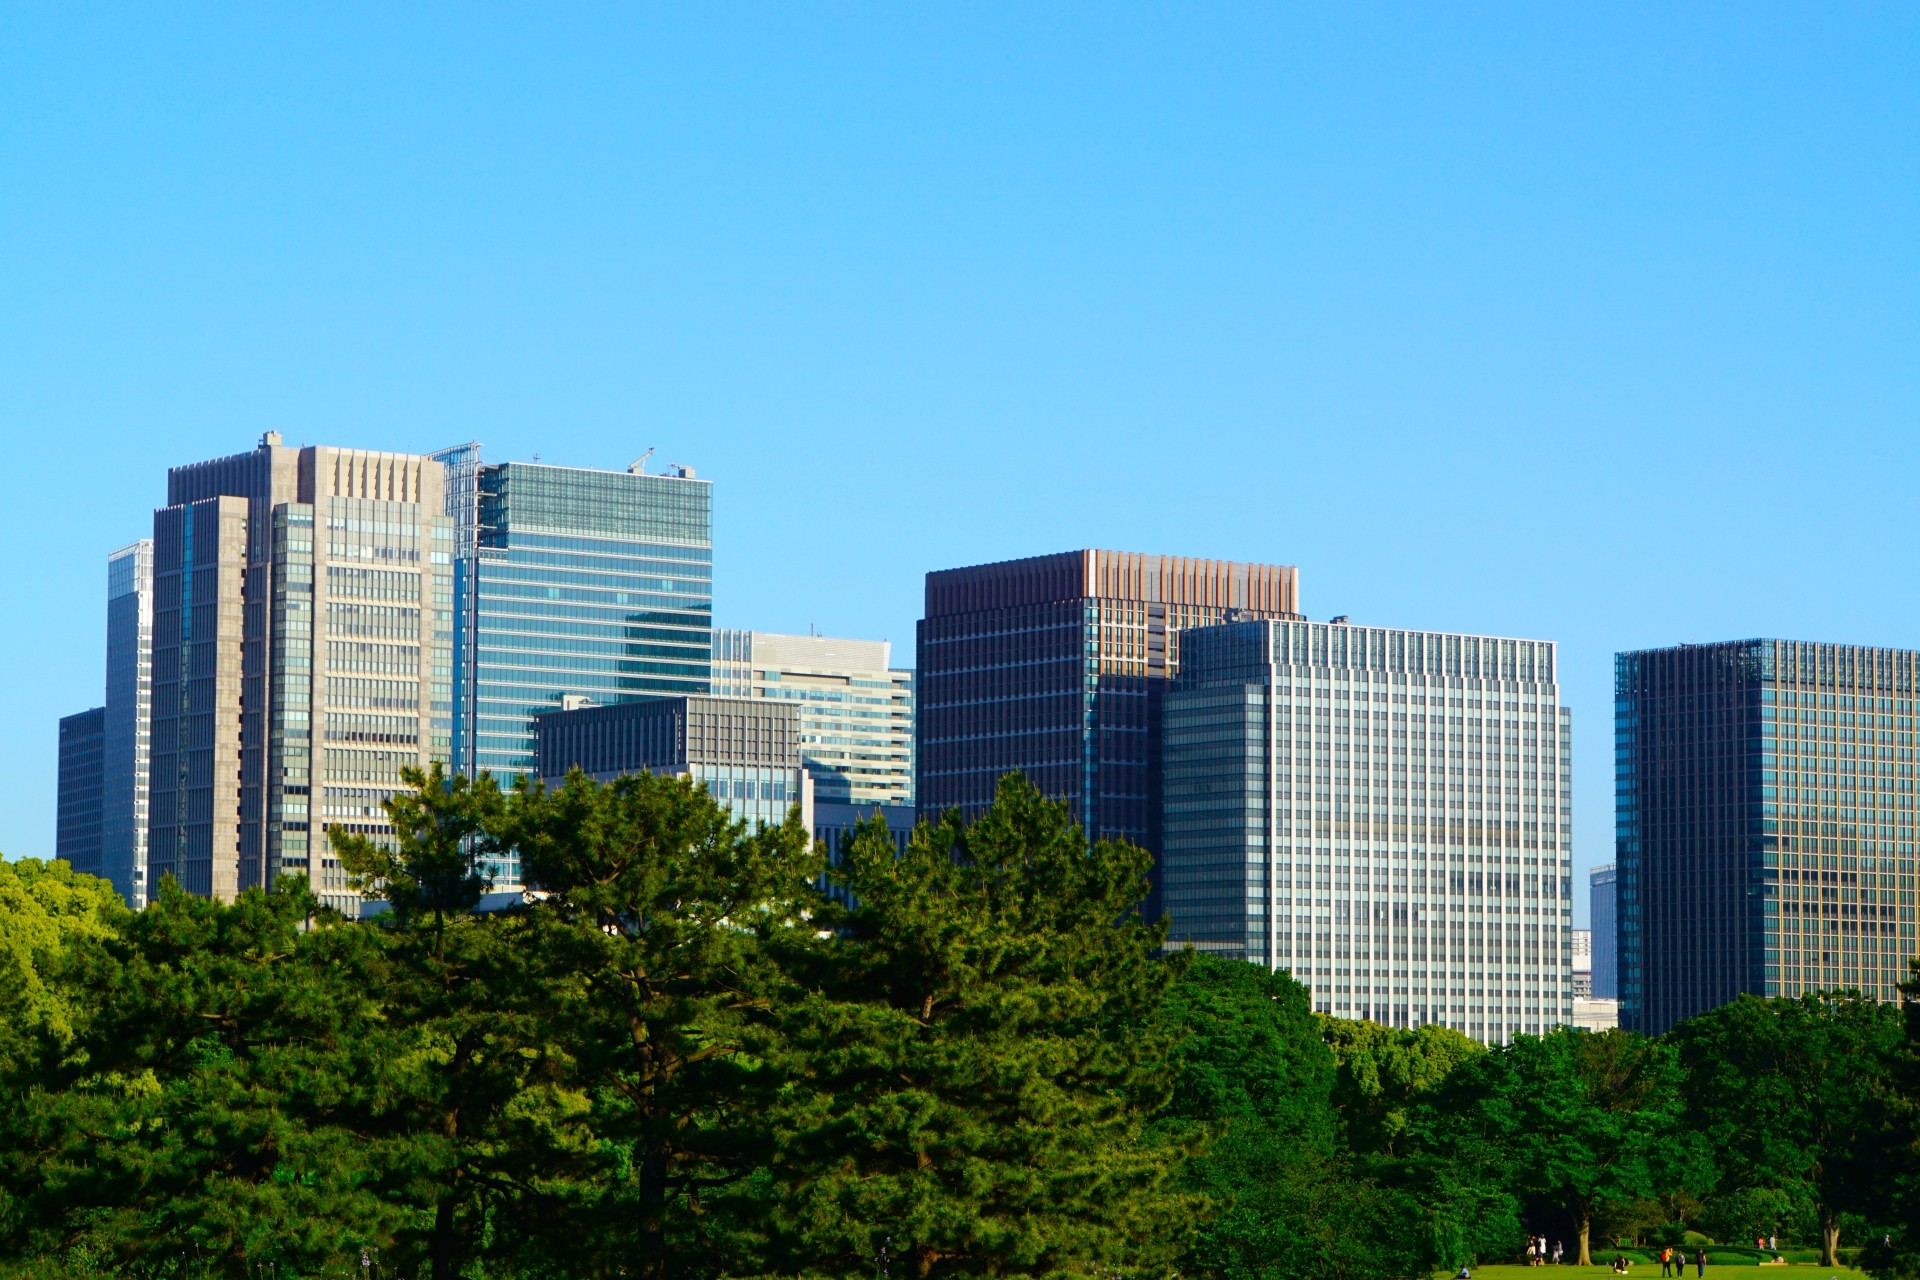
701	1049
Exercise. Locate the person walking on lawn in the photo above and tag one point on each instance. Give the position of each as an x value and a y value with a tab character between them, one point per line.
1699	1261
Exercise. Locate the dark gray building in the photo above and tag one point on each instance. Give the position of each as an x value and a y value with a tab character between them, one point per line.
123	834
1054	666
745	752
1606	952
1766	819
83	739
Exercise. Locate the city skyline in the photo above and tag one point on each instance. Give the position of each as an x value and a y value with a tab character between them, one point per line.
1585	861
1596	329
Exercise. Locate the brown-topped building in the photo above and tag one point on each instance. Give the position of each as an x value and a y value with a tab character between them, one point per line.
302	633
1054	666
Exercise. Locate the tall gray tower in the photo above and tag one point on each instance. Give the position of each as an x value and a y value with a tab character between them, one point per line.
123	835
302	638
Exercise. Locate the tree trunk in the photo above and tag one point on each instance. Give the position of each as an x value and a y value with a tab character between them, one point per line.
1829	1237
653	1212
1584	1220
445	1255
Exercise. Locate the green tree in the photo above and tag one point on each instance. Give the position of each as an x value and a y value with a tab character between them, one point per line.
479	1100
1252	1095
655	931
1792	1094
1381	1072
1571	1117
47	910
973	1070
211	1103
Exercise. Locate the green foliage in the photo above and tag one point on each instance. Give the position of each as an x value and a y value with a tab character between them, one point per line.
480	1094
1383	1071
974	1062
211	1103
1791	1095
442	827
1570	1120
1251	1096
655	941
46	910
681	1058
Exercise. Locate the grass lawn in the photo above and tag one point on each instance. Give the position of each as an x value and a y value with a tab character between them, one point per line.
1641	1271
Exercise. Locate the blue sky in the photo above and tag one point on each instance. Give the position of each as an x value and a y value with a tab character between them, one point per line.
1592	323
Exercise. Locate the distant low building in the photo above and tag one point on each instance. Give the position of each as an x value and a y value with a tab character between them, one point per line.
1606	967
856	711
744	751
83	738
1596	1014
1582	964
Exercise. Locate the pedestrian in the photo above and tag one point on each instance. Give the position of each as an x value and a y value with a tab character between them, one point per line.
1529	1250
1666	1262
1559	1252
1700	1261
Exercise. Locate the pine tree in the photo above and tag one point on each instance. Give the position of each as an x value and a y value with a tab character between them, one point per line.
974	1065
656	928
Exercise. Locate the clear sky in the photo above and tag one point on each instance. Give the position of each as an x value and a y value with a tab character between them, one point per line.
1594	323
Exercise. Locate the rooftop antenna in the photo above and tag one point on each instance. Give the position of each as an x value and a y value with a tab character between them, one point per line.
638	467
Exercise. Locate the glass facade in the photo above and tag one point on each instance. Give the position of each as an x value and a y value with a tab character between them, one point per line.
1385	814
1766	823
745	752
1054	666
1606	963
856	713
82	787
302	658
590	583
123	828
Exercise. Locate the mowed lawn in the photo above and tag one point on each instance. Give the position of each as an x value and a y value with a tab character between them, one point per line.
1641	1271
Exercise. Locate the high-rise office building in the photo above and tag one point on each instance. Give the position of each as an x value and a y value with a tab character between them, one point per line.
572	582
79	801
1384	813
1766	819
1606	965
302	656
1055	665
856	712
123	833
746	752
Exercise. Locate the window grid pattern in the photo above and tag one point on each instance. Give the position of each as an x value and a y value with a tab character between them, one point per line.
1385	814
1767	823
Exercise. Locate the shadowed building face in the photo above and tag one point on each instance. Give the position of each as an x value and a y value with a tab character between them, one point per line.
1054	666
1766	823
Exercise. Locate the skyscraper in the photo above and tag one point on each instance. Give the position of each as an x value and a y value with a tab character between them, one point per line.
1055	666
1606	964
1766	821
597	584
302	632
76	835
123	834
1383	813
856	712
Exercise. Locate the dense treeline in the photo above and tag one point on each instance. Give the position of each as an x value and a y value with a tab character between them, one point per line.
687	1060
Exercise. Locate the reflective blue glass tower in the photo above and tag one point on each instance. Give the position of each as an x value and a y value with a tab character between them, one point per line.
572	583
